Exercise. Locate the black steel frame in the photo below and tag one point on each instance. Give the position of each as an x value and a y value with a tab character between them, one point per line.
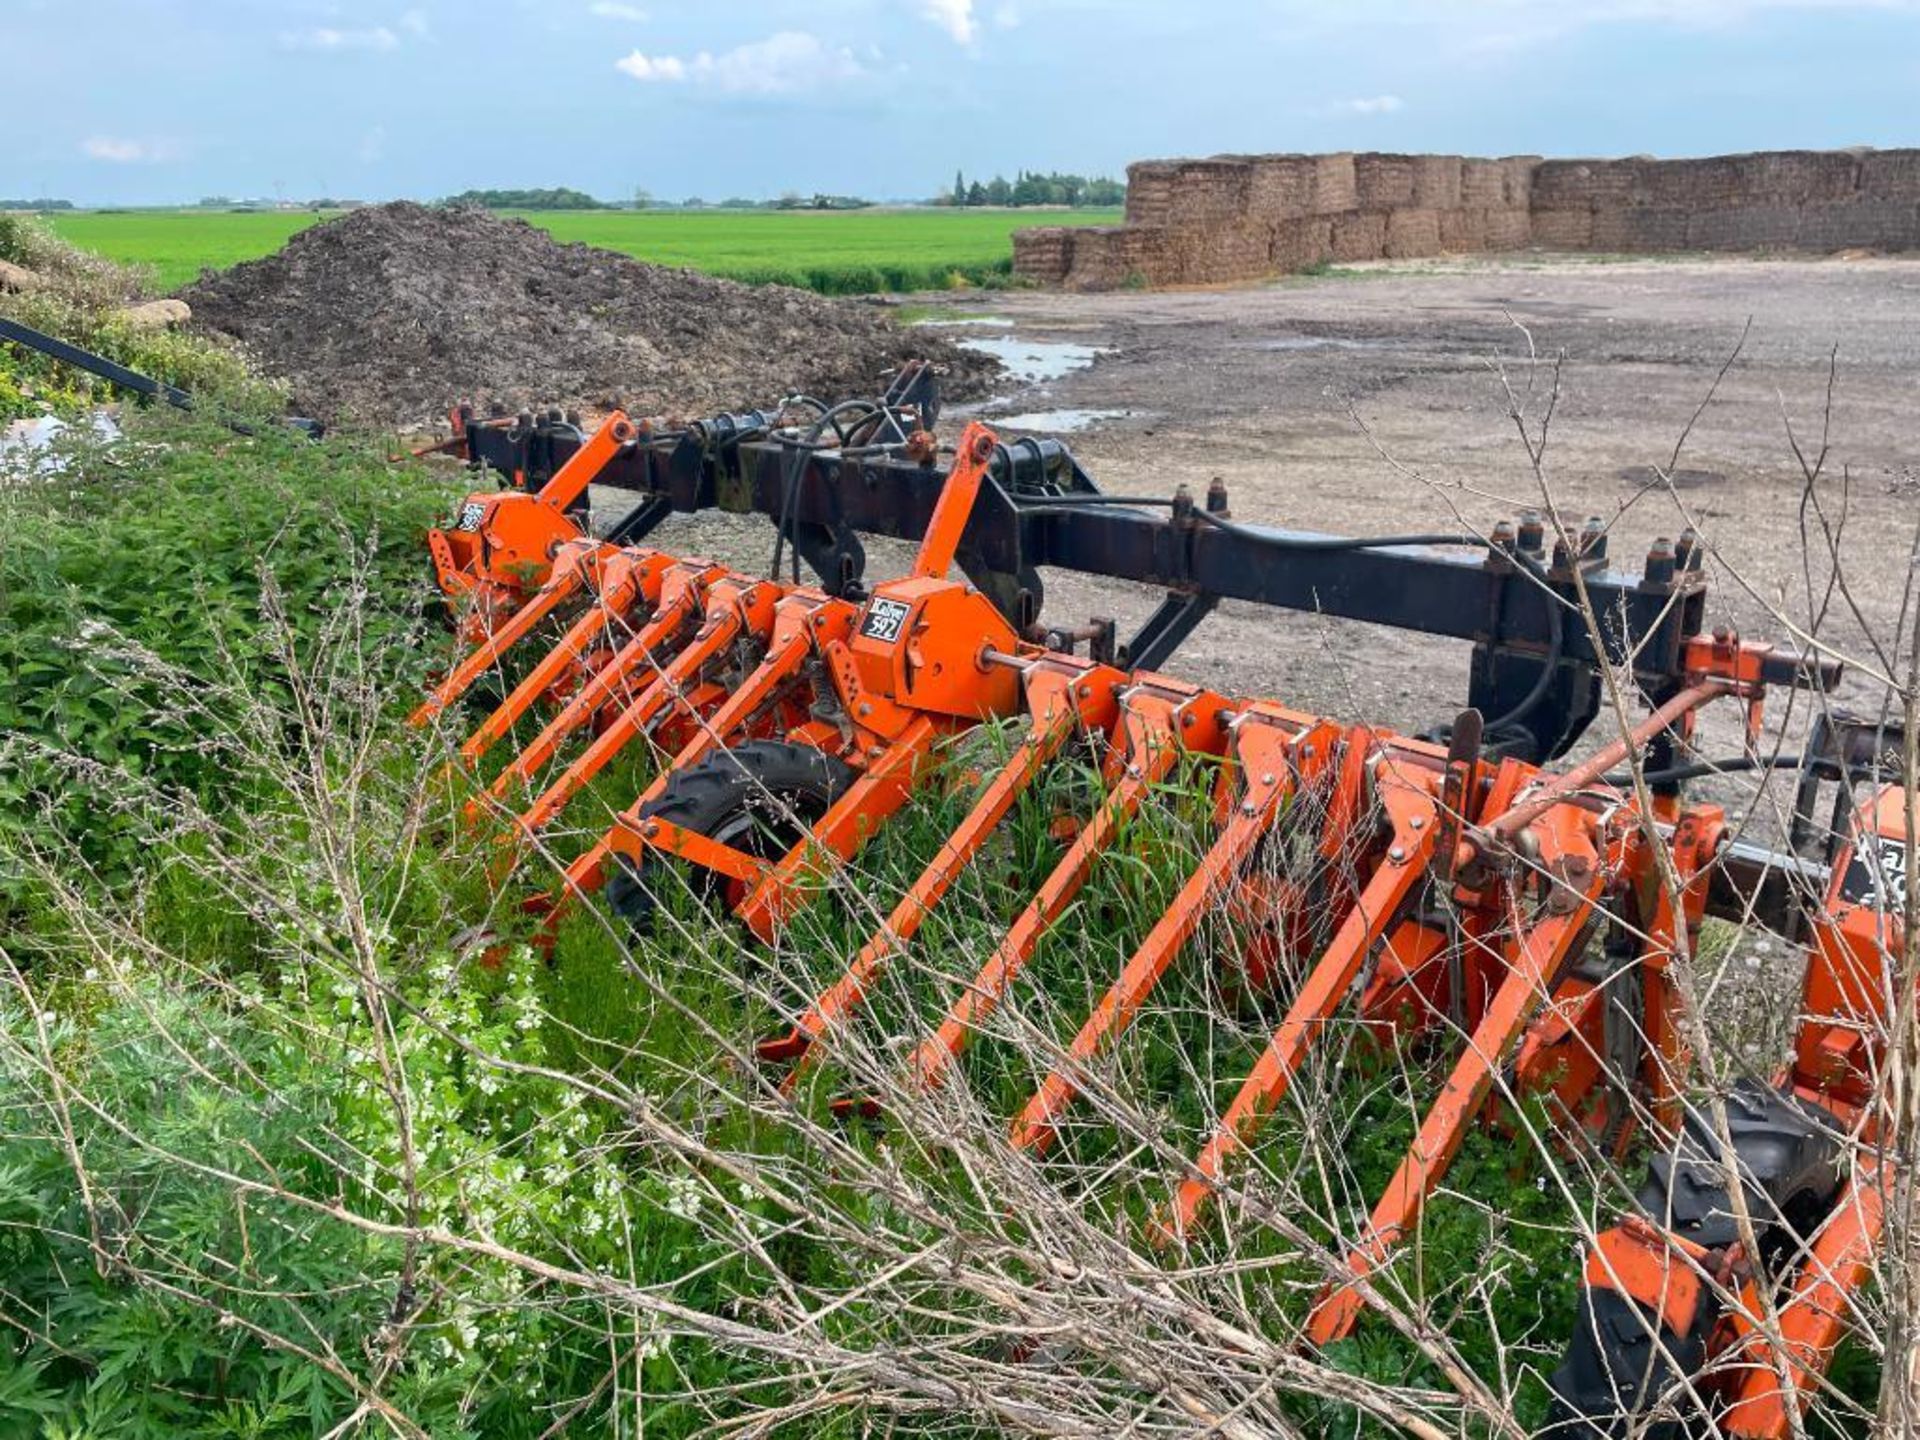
1035	513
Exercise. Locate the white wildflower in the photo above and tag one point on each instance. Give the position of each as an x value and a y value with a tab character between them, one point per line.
683	1197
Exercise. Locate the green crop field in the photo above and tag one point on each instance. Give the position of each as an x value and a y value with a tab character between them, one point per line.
838	253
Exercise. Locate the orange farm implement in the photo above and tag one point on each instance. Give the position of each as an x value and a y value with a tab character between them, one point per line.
1456	888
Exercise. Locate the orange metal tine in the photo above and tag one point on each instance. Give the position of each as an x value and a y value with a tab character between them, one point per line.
569	574
801	621
682	596
869	802
1060	702
1815	1315
1264	755
626	579
734	608
1521	996
1409	797
1150	723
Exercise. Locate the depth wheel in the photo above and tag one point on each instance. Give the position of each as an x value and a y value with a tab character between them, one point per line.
1622	1361
761	798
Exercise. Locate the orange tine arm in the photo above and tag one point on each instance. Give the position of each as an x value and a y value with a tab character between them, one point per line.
568	575
1152	751
566	484
1410	805
1519	999
1261	752
871	800
1050	694
605	686
588	873
1815	1316
971	456
553	665
719	632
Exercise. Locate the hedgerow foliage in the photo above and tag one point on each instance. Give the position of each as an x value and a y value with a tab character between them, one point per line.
156	550
81	297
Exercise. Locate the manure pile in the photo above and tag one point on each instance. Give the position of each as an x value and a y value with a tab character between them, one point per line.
394	311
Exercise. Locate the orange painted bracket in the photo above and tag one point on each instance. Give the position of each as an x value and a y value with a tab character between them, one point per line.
1061	701
972	455
1409	797
698	849
570	481
1150	724
1263	752
1521	996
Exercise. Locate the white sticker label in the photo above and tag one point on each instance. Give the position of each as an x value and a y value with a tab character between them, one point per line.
1878	875
471	514
884	619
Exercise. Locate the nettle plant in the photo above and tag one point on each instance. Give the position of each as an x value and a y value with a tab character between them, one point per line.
226	1204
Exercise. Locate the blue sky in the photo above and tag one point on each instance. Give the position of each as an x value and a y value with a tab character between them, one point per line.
149	101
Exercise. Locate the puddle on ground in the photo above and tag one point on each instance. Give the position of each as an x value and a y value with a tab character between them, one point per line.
1054	421
1032	361
951	322
24	443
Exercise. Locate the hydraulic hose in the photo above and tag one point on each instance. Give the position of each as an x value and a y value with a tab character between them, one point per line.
796	464
1732	765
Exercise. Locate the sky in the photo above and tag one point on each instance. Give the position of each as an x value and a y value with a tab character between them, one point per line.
159	101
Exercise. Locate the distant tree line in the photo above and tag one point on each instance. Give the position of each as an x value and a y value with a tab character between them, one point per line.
1030	187
41	204
559	198
792	200
642	199
244	205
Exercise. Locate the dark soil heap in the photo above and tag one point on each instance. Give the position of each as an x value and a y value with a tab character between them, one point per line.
391	313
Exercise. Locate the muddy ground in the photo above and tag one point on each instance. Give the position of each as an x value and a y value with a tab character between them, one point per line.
1269	388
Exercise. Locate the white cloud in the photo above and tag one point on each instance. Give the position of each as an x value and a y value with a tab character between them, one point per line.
616	10
1369	105
117	150
953	16
647	68
326	37
789	63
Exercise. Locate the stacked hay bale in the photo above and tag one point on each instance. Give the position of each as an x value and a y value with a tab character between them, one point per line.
1773	200
1044	254
1240	217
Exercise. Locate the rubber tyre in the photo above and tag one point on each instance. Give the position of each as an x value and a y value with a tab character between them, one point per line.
1613	1373
759	797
